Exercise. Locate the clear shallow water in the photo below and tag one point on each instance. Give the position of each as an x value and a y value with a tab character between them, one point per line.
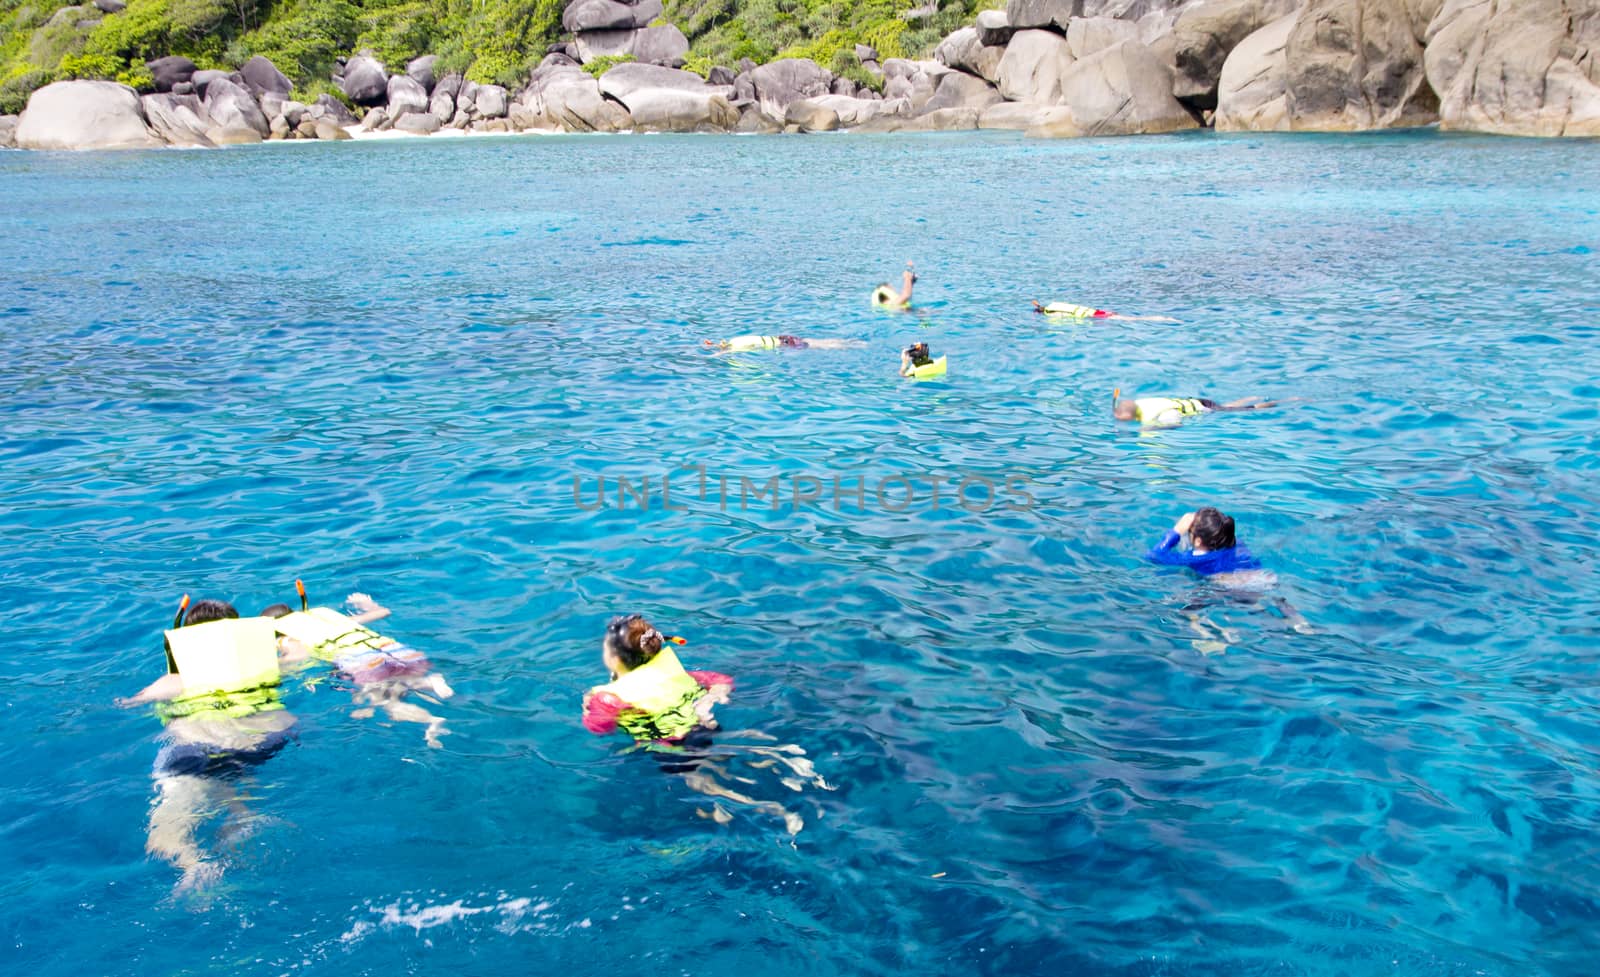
380	367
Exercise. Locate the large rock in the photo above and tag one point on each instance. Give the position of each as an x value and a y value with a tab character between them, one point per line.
110	6
778	84
1251	94
1013	115
1032	67
330	132
334	110
753	120
417	123
8	132
567	98
1091	35
1356	64
854	111
442	106
203	79
957	90
233	135
964	50
1052	14
1517	67
993	28
490	102
597	15
406	97
1204	35
811	116
1120	91
676	110
178	120
604	44
944	120
420	70
232	106
170	71
661	45
84	115
365	82
625	79
451	85
262	76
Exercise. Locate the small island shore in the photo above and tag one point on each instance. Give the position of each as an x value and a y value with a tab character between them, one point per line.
1051	68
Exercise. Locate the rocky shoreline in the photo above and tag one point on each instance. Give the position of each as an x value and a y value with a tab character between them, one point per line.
1053	68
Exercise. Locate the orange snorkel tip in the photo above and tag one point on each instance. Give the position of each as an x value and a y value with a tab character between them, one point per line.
300	589
183	605
677	640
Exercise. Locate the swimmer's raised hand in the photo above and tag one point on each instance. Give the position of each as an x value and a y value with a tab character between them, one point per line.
1181	527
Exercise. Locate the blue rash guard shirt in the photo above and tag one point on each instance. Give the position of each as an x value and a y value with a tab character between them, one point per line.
1205	564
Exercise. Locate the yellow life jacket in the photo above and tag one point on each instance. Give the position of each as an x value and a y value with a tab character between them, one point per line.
329	634
663	696
928	371
1068	309
228	667
1149	409
747	343
886	297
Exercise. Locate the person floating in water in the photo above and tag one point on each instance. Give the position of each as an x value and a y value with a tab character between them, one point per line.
669	710
1169	411
917	361
1067	310
223	714
382	669
885	297
1214	552
751	343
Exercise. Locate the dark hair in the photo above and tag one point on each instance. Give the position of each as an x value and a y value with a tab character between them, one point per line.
278	610
202	611
633	640
919	354
1212	529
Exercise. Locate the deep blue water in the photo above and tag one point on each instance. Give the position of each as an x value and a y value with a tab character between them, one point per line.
380	367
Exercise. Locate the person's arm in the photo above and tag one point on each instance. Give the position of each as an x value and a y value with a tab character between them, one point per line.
600	712
292	651
907	279
366	609
1167	552
164	688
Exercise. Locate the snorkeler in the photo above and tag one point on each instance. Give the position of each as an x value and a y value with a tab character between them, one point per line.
916	361
885	297
382	669
1067	310
1215	553
1168	411
222	712
752	343
668	709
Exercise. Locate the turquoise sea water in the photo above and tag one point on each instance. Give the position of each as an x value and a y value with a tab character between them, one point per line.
380	368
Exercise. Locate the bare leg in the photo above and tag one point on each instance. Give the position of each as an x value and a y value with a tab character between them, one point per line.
905	285
185	800
1208	643
704	783
1249	403
1292	616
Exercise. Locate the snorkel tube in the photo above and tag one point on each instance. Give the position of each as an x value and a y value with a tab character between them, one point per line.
300	589
177	622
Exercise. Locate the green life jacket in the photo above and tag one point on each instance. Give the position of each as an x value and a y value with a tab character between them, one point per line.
747	343
329	634
1149	409
228	667
930	369
662	695
1068	309
885	297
